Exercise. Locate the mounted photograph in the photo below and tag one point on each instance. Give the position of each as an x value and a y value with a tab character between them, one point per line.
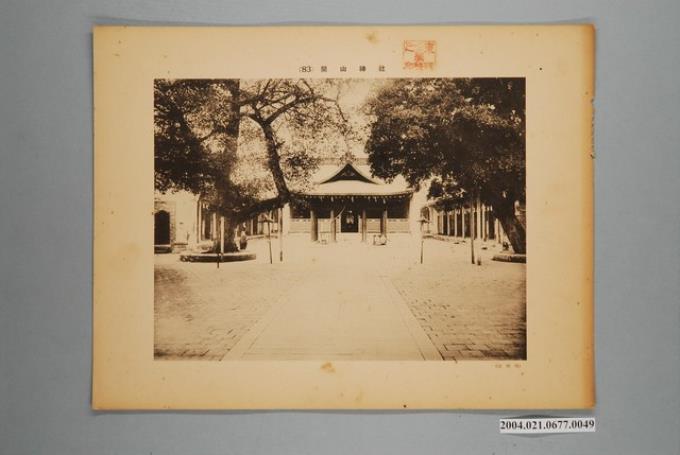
340	219
343	217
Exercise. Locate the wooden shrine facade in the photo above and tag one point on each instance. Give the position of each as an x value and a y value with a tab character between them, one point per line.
351	203
362	215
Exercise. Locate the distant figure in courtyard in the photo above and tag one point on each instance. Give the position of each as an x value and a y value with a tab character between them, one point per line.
380	239
243	240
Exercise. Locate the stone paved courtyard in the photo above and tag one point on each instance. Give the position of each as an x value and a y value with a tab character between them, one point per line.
342	301
468	312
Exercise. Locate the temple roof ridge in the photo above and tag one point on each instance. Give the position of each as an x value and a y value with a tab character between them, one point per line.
347	171
350	179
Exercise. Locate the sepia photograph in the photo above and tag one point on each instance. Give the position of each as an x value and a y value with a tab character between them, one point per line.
340	219
348	217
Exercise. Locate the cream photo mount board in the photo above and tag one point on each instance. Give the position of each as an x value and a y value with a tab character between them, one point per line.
556	62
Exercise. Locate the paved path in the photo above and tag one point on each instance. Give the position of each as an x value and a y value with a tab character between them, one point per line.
201	311
339	313
342	301
469	312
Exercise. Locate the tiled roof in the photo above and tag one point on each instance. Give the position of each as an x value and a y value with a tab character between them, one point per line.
363	183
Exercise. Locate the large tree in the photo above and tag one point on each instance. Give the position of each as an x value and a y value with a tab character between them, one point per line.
242	145
464	136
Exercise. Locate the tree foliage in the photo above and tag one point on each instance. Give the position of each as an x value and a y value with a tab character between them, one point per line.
299	122
192	139
465	136
242	145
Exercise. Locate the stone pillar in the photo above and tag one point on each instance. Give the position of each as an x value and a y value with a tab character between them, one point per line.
281	227
433	223
489	223
364	228
383	223
472	231
462	221
489	219
221	234
455	222
334	237
198	221
286	215
478	219
213	227
447	214
313	226
483	216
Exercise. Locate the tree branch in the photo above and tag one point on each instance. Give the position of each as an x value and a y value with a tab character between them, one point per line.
288	106
259	207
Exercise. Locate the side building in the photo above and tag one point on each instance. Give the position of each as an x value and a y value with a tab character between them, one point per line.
469	220
182	221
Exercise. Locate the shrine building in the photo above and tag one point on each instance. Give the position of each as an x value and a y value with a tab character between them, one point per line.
343	202
348	202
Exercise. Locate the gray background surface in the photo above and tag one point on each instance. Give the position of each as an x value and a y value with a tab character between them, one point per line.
45	227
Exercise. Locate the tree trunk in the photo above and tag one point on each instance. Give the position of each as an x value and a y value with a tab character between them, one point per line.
230	225
513	229
274	162
223	184
234	88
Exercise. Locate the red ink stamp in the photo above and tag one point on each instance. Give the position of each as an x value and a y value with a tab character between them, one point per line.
419	54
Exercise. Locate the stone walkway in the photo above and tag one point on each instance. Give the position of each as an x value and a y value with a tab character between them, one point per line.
469	312
344	301
338	314
201	312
